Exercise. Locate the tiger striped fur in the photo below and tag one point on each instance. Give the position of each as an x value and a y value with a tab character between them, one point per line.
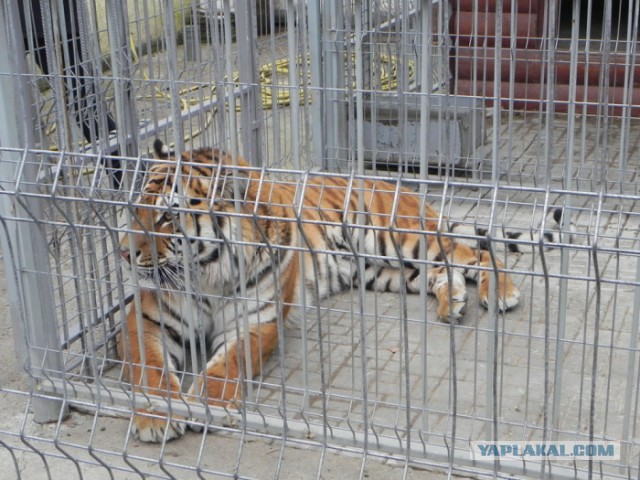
267	231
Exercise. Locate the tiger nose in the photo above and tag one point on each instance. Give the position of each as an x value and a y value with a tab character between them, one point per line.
125	253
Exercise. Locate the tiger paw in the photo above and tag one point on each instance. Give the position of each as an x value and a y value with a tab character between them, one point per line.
227	421
454	310
509	298
216	392
152	428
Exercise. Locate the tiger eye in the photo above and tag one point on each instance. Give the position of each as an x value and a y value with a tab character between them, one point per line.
167	217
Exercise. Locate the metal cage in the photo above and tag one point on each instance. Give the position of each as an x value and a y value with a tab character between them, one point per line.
514	119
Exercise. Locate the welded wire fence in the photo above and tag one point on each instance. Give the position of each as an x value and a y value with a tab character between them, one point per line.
306	314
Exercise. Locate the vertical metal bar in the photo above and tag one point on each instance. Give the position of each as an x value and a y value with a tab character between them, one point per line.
217	38
512	76
171	41
596	329
294	88
126	113
628	419
335	114
252	141
547	339
192	36
304	47
401	59
228	56
174	88
425	79
453	361
497	94
566	225
584	167
629	79
51	33
359	100
240	306
549	99
24	243
491	375
251	99
314	22
129	222
603	120
360	220
611	347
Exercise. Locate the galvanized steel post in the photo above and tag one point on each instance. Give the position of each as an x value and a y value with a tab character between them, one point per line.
24	243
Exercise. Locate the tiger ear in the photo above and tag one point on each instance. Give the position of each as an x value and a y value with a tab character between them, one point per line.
161	151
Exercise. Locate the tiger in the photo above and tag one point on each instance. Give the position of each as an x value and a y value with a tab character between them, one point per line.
274	245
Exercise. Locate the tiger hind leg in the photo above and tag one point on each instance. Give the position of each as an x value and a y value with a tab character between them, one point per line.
449	288
478	266
508	293
446	279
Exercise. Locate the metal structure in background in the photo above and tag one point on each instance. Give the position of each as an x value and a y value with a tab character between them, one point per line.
494	112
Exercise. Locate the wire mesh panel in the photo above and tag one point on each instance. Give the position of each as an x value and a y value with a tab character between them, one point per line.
319	239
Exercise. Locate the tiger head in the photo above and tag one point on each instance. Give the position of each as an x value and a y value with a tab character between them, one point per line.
182	216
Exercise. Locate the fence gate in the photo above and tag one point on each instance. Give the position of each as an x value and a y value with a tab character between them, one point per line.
221	257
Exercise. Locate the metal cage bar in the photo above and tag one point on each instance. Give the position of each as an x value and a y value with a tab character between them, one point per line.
514	121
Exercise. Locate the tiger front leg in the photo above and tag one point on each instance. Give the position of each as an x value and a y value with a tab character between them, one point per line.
220	384
508	293
449	287
151	378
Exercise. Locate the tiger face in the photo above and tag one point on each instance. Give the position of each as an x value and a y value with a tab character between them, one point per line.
181	219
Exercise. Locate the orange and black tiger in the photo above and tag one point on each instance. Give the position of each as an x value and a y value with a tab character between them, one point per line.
246	241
